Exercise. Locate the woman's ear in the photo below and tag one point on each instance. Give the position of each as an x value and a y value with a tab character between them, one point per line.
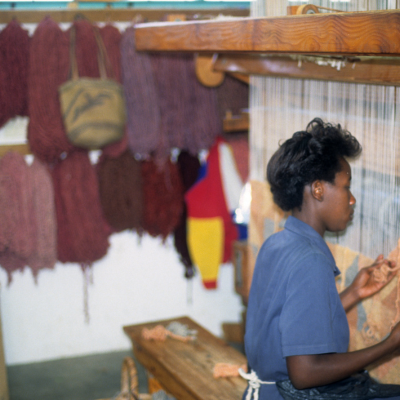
317	190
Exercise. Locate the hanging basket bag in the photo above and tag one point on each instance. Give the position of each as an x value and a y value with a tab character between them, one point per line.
93	109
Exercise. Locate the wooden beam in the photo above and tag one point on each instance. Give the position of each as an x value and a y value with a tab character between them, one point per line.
381	71
355	33
110	14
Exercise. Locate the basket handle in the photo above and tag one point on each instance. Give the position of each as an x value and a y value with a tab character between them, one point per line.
102	56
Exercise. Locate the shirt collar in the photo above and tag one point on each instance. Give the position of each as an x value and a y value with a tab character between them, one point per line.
301	228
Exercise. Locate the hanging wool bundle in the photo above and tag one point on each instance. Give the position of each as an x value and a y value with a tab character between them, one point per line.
45	252
17	217
232	95
143	115
121	192
170	76
203	123
189	169
14	63
82	231
48	69
163	198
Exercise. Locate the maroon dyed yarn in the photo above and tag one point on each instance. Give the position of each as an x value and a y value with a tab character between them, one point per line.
232	95
45	252
163	197
49	66
121	191
143	114
17	217
189	169
14	67
82	234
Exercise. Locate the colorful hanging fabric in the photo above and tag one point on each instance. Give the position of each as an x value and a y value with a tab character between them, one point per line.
210	203
14	66
189	169
48	69
82	234
163	197
121	191
143	114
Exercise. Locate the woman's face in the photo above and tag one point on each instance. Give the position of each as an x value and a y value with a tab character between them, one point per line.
338	207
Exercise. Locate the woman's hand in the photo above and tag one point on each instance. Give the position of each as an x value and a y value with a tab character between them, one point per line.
369	281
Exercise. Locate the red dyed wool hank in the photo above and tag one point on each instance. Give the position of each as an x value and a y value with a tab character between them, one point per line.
163	198
143	114
82	234
121	191
45	252
17	217
14	67
48	69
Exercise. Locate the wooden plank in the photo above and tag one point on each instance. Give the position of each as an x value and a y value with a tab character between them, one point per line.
111	14
19	148
185	369
382	71
355	33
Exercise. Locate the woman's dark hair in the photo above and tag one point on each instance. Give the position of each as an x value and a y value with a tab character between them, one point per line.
310	155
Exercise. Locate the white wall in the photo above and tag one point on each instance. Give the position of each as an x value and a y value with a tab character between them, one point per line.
135	282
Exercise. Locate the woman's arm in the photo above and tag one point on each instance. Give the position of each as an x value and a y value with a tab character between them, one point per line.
365	285
321	369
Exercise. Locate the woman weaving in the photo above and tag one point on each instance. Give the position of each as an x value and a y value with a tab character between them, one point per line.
297	334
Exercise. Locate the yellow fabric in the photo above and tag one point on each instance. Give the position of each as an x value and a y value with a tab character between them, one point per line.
205	238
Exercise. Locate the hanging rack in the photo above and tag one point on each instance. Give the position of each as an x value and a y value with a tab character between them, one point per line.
362	47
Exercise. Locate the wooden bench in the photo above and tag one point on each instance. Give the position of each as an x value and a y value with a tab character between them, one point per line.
185	369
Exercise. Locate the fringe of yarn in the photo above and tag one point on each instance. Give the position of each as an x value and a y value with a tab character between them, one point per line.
163	198
14	67
121	192
49	66
143	114
45	254
82	234
17	217
189	169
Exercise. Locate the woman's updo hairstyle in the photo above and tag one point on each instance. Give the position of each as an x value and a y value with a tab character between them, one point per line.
310	155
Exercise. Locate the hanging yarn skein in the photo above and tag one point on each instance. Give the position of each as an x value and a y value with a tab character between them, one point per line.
17	217
48	69
163	198
121	191
82	234
143	122
45	252
14	66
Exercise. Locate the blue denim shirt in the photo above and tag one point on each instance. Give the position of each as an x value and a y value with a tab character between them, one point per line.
294	307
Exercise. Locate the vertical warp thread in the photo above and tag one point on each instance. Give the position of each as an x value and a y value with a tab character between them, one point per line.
14	67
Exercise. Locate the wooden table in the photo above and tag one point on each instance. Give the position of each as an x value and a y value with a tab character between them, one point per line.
185	369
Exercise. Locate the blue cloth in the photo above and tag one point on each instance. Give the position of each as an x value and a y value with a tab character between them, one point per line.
294	307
